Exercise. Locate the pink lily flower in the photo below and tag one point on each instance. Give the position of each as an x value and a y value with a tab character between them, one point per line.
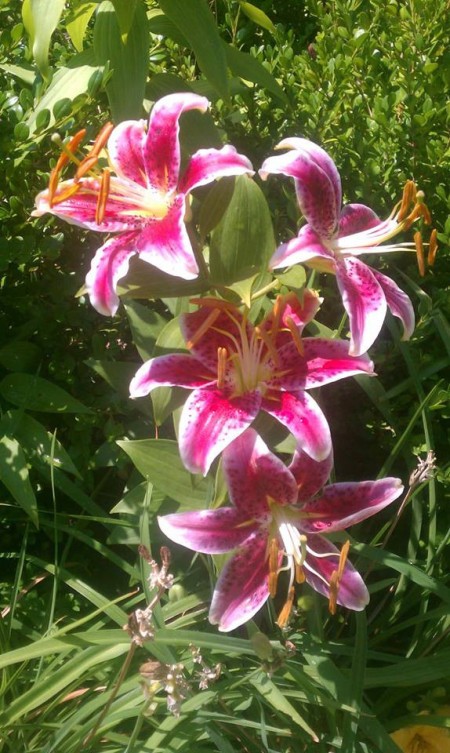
334	238
236	369
141	196
275	524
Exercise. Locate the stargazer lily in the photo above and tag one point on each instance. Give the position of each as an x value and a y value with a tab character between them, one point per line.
334	238
236	369
140	194
275	523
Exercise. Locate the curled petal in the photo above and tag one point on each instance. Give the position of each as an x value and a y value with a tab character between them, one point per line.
355	218
126	150
310	475
364	302
317	182
209	164
176	369
352	592
300	414
295	312
242	587
306	248
207	531
165	244
209	422
253	473
108	266
345	504
398	302
162	147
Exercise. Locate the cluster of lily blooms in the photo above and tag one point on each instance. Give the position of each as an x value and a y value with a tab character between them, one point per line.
234	369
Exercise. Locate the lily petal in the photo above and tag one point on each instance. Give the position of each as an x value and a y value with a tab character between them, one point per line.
167	371
162	147
242	587
310	475
355	218
208	531
317	182
80	208
209	164
304	249
300	413
108	266
210	421
398	302
165	243
352	592
126	150
345	504
253	473
364	301
330	360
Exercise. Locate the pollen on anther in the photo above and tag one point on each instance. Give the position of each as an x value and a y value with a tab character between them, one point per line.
273	567
101	139
419	252
432	248
102	197
222	356
85	166
287	609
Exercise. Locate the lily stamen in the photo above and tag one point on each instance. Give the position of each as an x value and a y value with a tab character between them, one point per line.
85	166
409	196
287	608
296	337
419	252
102	196
70	191
268	342
273	567
204	327
336	577
101	139
222	356
432	248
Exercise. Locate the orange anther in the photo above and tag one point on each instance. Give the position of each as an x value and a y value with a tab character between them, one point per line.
66	194
85	166
336	577
222	356
432	248
287	609
102	197
204	327
409	195
293	329
76	140
300	576
419	252
101	139
273	567
53	185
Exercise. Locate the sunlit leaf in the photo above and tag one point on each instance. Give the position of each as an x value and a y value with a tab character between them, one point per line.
14	475
40	19
80	13
128	60
257	16
243	241
36	393
196	22
159	461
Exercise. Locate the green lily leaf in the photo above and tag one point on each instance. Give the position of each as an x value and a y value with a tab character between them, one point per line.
14	475
40	19
243	241
196	22
159	462
128	60
35	393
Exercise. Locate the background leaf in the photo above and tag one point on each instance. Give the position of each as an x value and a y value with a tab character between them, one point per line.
40	19
39	394
127	59
196	22
14	475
